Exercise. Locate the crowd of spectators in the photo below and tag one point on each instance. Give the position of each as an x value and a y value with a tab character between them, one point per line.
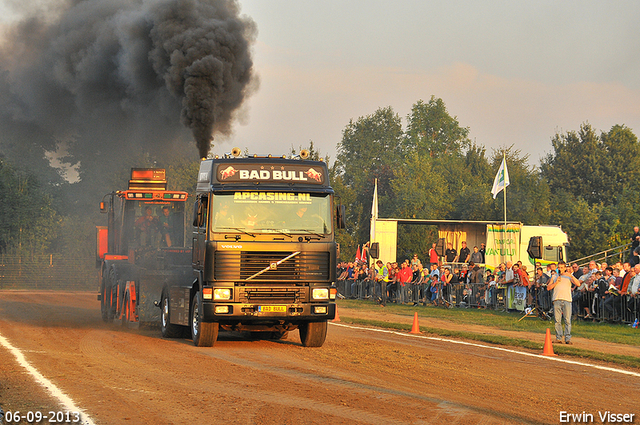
606	292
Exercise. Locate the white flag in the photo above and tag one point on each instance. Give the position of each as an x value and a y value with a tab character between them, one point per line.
502	179
374	213
374	204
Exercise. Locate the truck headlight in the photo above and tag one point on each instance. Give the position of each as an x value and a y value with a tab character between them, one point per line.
222	294
320	294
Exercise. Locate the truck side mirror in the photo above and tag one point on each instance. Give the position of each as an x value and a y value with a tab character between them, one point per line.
200	212
535	247
197	214
341	212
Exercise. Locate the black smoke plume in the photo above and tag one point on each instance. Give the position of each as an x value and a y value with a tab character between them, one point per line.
117	76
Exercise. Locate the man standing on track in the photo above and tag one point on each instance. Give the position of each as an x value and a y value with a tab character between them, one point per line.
562	300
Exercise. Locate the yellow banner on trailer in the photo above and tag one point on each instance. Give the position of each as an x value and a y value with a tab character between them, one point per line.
502	246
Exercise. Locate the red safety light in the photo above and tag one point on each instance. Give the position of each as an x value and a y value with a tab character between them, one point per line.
148	178
142	174
148	174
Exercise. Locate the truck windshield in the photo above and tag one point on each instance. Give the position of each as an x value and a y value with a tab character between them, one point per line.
272	212
154	224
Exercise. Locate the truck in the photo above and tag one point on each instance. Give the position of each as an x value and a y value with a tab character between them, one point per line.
142	249
262	255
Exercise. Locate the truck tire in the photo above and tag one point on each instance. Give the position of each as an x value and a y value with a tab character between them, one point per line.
203	334
107	305
168	329
313	334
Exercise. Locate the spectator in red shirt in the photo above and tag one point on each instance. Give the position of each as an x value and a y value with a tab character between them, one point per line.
521	270
406	275
433	255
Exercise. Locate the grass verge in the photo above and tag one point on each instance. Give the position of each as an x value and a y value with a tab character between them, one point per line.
606	332
621	360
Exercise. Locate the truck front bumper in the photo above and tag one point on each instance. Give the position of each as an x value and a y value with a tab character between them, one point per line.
289	313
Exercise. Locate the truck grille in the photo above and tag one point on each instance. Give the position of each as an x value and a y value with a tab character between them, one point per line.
240	265
272	295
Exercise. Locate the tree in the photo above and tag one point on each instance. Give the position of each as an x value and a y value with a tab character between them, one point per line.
371	147
432	131
419	192
472	198
527	195
595	168
444	151
623	178
621	160
588	226
594	182
434	181
28	222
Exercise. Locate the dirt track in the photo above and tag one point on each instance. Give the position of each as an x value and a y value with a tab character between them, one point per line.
120	376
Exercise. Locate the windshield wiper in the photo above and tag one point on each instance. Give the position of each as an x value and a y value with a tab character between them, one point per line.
239	230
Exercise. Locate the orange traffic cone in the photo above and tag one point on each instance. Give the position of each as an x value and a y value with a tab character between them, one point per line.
548	346
337	317
415	329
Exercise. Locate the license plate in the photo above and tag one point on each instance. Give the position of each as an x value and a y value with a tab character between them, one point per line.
272	308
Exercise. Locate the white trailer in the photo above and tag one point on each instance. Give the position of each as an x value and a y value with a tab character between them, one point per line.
502	244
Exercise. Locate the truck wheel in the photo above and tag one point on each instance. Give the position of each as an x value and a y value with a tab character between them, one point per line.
313	334
203	334
168	329
107	303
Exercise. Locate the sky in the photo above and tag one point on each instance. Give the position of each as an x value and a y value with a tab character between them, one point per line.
513	72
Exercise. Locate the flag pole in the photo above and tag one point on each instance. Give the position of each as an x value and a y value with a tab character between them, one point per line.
504	159
504	195
500	183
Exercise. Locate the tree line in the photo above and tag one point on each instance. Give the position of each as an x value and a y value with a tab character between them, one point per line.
430	169
426	169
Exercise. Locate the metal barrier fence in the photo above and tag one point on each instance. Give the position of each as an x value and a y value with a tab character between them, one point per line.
587	305
48	272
